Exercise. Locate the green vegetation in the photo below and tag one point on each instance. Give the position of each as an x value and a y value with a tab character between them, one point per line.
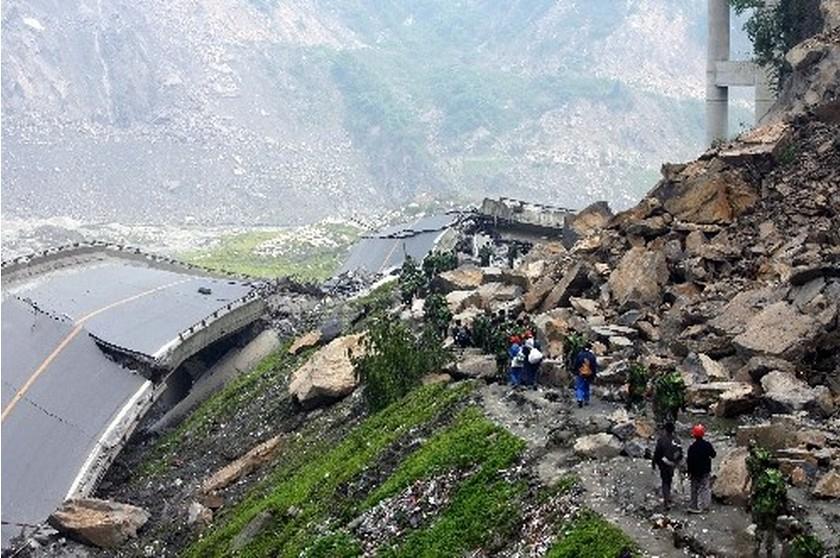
807	546
221	405
637	384
471	439
668	396
776	30
572	345
335	545
437	314
395	359
311	487
411	281
438	262
483	507
294	253
591	536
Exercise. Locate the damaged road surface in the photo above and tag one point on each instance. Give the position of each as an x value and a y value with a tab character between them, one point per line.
67	407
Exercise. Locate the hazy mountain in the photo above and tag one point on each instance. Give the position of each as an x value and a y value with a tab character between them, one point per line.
275	111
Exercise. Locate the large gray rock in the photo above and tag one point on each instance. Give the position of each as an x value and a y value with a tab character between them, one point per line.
598	446
778	330
98	522
535	296
328	374
476	365
733	318
785	393
828	486
732	482
464	278
573	283
706	395
639	277
458	301
702	368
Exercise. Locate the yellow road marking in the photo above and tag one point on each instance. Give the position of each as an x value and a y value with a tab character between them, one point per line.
66	341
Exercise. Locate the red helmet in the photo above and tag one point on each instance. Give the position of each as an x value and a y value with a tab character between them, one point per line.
698	431
514	339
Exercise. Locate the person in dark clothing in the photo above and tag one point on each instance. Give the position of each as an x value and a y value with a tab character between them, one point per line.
461	335
586	366
667	457
699	465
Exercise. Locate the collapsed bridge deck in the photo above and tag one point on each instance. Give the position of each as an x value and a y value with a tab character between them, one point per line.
68	407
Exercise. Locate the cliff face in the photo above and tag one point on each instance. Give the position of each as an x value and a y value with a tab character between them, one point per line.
262	111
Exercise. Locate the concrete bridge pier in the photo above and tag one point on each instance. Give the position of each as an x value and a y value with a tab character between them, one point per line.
717	50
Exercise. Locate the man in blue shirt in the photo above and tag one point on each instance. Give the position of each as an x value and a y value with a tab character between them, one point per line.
586	366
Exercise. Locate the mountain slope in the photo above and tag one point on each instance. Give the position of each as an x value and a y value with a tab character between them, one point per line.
247	111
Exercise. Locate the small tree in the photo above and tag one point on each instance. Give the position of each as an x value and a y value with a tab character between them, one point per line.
807	546
668	396
572	345
437	313
411	281
438	262
638	377
395	359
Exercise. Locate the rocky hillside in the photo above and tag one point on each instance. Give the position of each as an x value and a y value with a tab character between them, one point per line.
258	111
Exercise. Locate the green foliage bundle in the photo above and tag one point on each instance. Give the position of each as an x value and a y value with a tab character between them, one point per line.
807	546
438	262
638	378
437	313
774	31
395	359
411	281
668	396
769	496
572	345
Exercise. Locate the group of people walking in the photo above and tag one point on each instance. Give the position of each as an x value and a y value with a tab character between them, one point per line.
668	457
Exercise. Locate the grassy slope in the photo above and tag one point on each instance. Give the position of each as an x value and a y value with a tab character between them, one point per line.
236	253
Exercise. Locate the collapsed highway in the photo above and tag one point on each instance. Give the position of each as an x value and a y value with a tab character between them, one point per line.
90	334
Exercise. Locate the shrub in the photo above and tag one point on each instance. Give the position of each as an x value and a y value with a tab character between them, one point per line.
668	396
437	314
807	546
395	359
572	345
438	262
637	384
411	281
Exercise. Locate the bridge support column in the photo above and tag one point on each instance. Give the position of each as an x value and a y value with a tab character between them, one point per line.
717	98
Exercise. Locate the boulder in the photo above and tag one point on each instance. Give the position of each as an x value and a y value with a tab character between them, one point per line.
702	368
771	435
785	393
536	294
102	523
553	372
737	400
533	271
588	220
732	482
778	330
573	283
305	341
828	486
251	529
639	277
733	318
476	365
759	145
706	395
552	329
516	278
245	465
598	446
489	295
464	278
458	301
585	306
705	193
328	374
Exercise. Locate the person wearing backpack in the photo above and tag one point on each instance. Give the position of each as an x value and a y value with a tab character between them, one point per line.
533	358
517	361
667	457
586	366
